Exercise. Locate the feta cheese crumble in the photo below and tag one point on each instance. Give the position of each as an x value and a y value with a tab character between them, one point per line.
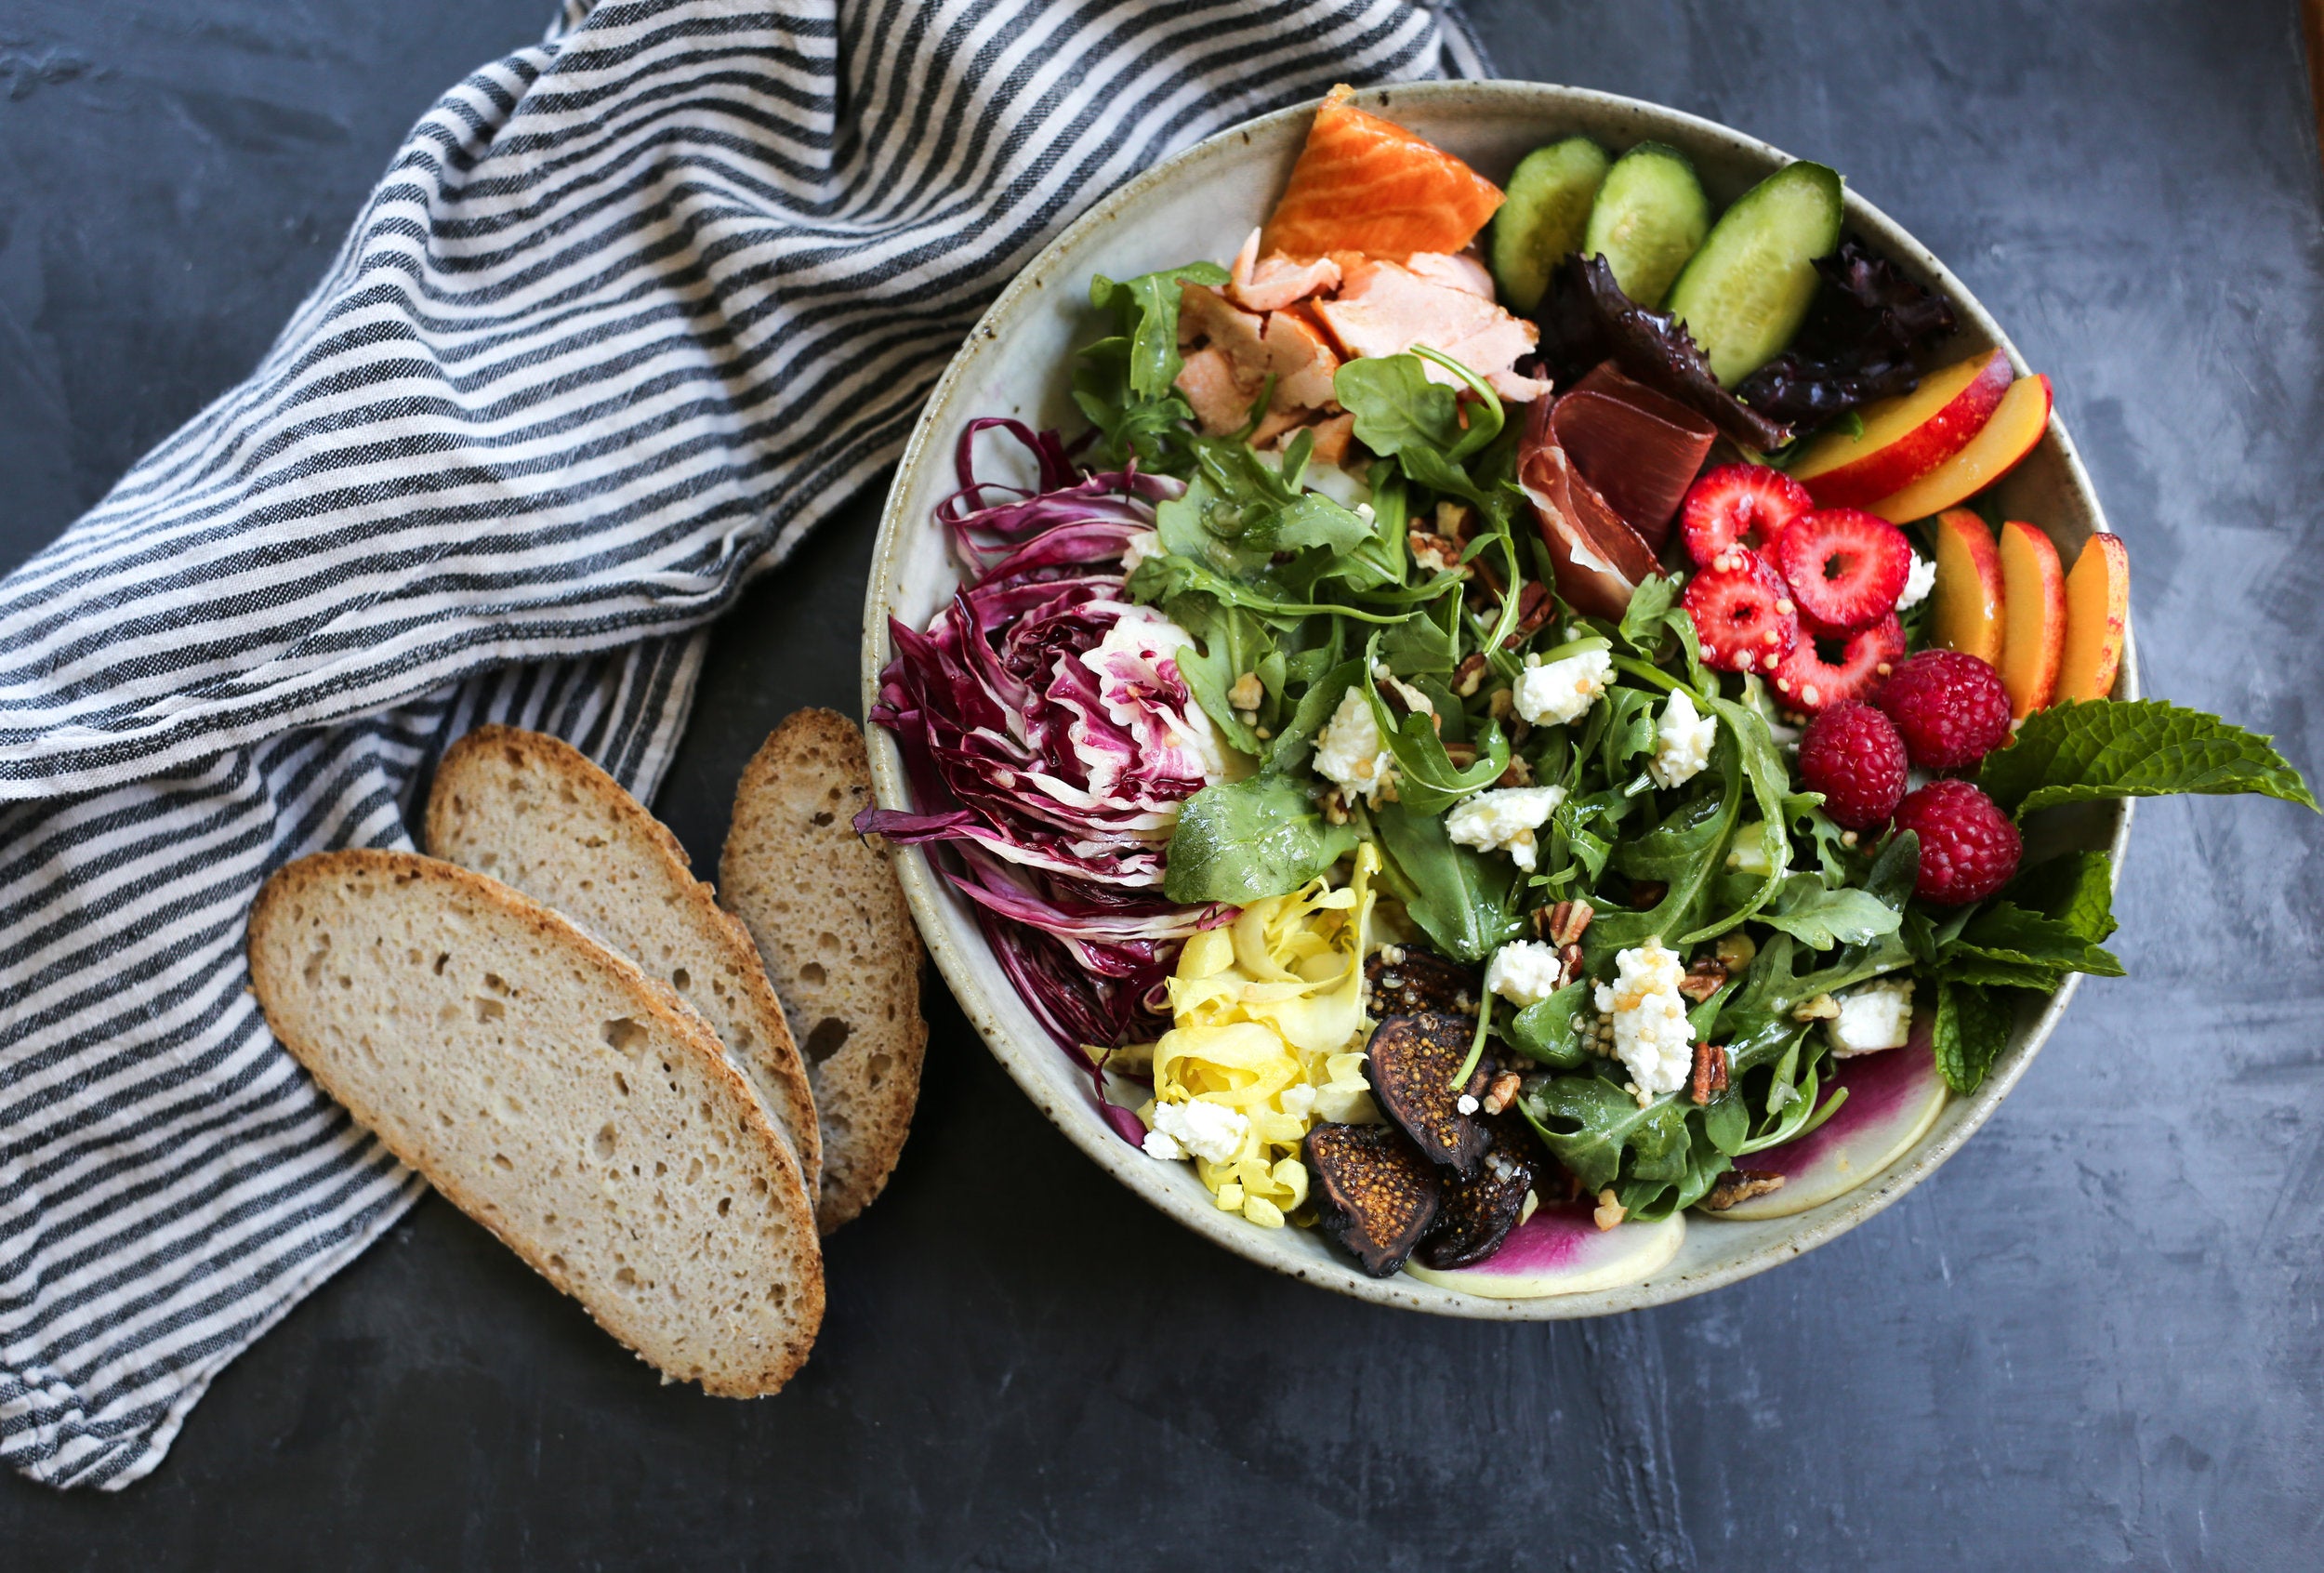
1919	581
1197	1129
1651	1036
1349	753
1524	973
1504	819
1872	1016
1560	692
1683	741
1144	544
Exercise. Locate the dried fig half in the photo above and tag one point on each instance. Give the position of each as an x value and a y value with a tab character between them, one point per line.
1412	1062
1474	1216
1375	1194
1417	980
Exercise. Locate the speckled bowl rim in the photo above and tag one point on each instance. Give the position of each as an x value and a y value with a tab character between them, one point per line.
974	976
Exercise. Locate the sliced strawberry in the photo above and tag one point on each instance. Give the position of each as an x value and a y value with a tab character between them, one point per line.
1742	614
1825	670
1845	567
1744	504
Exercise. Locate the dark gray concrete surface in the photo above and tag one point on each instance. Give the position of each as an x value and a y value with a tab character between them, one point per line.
2093	1340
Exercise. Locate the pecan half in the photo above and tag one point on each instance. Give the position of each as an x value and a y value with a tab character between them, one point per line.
1711	1071
1704	978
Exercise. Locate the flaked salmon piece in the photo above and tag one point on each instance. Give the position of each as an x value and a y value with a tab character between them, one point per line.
1287	345
1208	380
1386	308
1332	438
1301	360
1276	423
1463	273
1275	282
1366	184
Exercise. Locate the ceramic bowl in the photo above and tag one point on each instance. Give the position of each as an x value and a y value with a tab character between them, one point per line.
1202	203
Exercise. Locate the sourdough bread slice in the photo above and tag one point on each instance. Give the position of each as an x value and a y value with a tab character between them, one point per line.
837	941
536	813
557	1095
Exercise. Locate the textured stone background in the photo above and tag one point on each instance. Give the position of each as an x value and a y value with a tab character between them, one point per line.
2093	1340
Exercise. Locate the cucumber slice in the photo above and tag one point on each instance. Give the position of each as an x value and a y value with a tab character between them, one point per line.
1543	216
1748	289
1650	215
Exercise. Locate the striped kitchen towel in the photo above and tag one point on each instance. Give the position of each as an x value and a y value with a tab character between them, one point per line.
629	313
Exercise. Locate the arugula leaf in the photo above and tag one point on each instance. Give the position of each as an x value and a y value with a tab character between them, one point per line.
2077	890
1821	917
1464	903
1972	1030
1296	738
1147	308
1771	785
1240	841
1588	1122
1400	413
1648	615
2079	750
1544	1030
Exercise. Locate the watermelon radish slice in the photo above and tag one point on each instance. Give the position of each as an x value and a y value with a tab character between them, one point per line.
1894	1097
1561	1250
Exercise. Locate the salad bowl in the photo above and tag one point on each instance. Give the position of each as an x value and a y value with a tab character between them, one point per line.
1017	363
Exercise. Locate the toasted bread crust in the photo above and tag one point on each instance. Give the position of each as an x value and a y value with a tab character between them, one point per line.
472	820
830	921
794	1266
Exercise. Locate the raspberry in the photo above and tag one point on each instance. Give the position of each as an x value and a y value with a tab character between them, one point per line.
1968	847
1846	568
1950	708
1744	504
1737	615
1860	663
1852	755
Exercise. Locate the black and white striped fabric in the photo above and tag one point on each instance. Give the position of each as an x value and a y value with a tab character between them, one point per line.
629	313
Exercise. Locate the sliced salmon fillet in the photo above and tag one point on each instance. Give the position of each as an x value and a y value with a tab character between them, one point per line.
1386	308
1276	282
1366	184
1231	352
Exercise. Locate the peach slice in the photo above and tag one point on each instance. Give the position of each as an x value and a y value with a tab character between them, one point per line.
2016	428
1561	1250
2097	618
1894	1097
2033	600
1906	437
1966	615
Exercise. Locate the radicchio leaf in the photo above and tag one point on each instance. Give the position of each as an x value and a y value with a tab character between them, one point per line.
1049	738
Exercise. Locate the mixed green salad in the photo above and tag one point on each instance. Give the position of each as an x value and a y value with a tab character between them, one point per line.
1486	799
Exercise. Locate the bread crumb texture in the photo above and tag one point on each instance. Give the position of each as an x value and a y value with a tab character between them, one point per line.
551	1092
837	941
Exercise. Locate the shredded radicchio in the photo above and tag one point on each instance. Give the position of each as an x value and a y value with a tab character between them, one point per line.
1049	740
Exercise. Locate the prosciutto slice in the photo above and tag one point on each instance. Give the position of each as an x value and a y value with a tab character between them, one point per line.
1598	558
1638	450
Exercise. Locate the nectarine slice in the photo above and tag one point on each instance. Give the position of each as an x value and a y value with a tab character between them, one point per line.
1906	437
1966	614
2097	618
2033	601
2016	428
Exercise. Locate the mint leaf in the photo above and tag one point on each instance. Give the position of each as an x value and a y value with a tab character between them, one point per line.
2080	750
2006	932
2078	890
1972	1030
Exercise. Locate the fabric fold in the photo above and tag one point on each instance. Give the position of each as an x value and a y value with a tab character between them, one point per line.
631	313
